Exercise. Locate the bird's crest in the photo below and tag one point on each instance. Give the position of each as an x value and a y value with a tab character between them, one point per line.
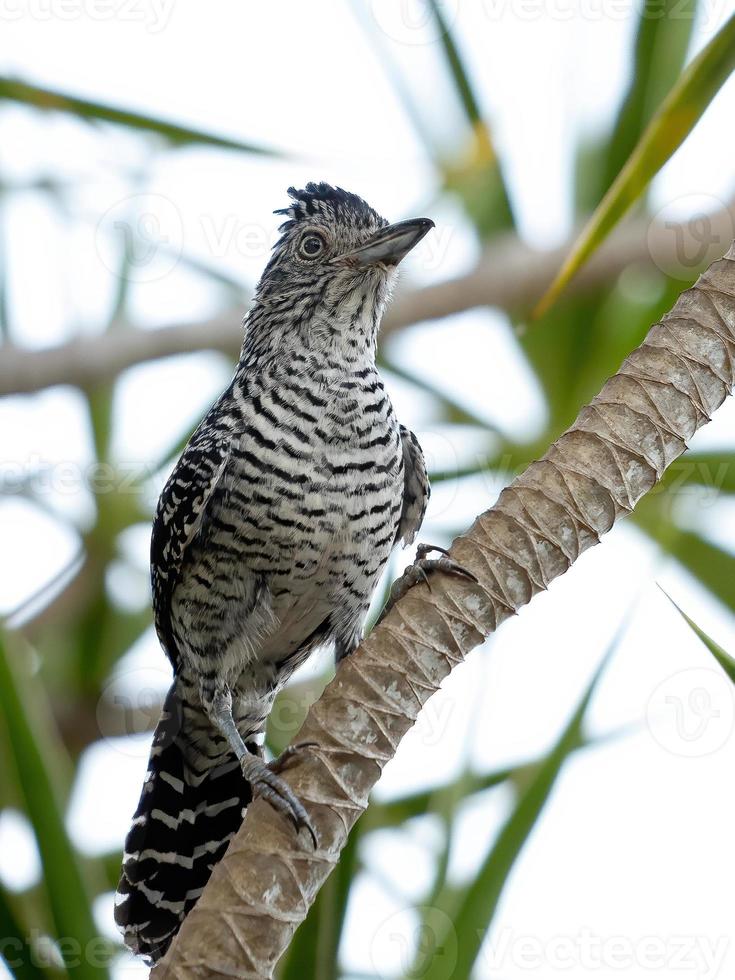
330	204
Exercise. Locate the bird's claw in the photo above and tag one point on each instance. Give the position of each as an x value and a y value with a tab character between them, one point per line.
289	753
268	785
419	572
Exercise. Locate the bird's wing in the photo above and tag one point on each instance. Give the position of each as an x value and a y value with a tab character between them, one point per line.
181	509
416	489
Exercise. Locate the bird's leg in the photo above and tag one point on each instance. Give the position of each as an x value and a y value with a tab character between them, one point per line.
262	776
419	572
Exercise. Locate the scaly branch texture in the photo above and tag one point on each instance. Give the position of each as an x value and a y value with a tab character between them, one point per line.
594	474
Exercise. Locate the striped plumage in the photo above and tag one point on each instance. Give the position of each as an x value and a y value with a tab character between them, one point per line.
268	541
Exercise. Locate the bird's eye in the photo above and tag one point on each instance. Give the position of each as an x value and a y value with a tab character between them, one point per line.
311	245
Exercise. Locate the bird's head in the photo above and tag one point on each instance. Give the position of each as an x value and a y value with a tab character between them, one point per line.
331	271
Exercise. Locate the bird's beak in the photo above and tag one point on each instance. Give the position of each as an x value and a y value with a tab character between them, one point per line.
389	245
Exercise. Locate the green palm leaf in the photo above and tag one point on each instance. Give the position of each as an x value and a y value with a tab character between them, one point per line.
664	31
723	658
37	764
50	99
668	129
472	909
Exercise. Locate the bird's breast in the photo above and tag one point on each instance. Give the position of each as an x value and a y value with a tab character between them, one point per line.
316	468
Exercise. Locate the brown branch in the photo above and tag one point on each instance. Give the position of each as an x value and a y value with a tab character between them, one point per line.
615	452
509	275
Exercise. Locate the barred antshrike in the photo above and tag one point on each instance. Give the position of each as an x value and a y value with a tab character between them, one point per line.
268	541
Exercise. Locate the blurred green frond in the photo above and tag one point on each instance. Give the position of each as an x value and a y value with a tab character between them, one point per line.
471	908
679	113
478	178
38	766
662	39
394	813
13	90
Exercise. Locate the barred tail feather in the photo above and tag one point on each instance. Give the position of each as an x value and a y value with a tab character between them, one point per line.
182	826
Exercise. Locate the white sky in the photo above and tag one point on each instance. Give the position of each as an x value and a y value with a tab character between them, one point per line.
633	844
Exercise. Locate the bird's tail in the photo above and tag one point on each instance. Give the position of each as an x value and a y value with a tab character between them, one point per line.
191	805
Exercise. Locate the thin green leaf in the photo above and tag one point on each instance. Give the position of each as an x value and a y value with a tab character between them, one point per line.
662	38
722	657
676	118
100	399
4	305
480	467
460	75
104	632
38	762
50	99
394	813
471	910
484	159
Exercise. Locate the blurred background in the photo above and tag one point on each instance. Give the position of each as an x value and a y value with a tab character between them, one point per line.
582	825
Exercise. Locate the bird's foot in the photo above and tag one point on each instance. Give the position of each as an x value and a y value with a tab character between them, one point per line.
266	783
289	753
419	572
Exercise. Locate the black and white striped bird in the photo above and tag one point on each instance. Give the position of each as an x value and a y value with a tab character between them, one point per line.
268	541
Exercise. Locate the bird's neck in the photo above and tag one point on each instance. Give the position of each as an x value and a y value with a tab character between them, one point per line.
328	341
